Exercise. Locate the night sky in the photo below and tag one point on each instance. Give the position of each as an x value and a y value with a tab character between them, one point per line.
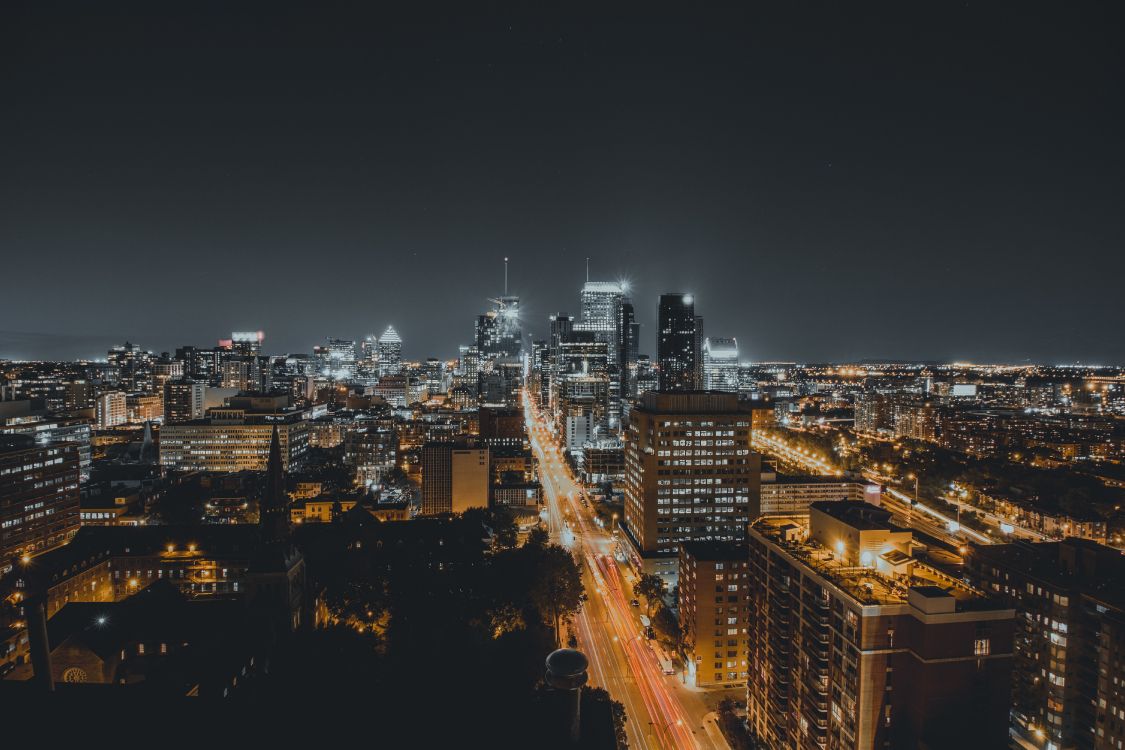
843	181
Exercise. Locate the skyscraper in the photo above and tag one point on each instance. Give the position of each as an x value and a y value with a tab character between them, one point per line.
676	342
720	364
390	352
629	346
690	475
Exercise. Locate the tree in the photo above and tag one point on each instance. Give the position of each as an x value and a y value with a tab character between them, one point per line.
667	627
505	532
557	587
651	587
538	537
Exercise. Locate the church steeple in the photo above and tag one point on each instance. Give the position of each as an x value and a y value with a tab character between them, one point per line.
274	506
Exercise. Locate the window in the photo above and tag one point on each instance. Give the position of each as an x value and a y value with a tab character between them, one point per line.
981	647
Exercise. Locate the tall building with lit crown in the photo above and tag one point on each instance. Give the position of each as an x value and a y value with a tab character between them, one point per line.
855	644
720	364
676	342
390	352
690	475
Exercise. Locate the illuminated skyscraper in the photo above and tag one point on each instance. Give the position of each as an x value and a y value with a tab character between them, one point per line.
720	364
390	352
676	342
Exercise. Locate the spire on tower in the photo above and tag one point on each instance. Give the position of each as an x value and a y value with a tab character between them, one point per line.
505	275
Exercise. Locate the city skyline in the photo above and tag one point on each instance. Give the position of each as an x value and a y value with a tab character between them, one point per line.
916	198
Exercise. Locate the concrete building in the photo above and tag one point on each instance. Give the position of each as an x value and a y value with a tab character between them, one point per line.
784	495
110	410
236	437
714	601
184	401
854	644
1067	690
39	503
689	475
454	478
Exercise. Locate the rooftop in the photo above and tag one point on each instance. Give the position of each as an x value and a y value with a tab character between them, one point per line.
866	585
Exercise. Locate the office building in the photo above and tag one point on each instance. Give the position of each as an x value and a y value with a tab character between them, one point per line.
39	505
1067	687
110	410
236	437
714	601
390	352
455	477
183	401
131	367
690	475
720	364
854	644
676	342
370	450
788	495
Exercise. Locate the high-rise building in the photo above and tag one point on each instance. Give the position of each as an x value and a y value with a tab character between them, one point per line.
720	364
183	401
201	365
110	410
1067	690
455	478
390	352
854	644
698	353
39	506
133	367
338	359
629	346
371	450
246	343
367	367
715	590
676	342
689	474
601	315
647	378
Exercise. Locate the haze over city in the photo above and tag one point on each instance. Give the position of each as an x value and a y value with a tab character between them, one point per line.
861	182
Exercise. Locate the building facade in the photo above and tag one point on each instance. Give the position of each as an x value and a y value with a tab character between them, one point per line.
714	612
854	644
39	499
690	474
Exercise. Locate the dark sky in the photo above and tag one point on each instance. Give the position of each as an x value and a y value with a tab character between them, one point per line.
911	180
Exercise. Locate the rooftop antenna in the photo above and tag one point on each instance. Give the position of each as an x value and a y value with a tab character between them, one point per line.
587	269
505	275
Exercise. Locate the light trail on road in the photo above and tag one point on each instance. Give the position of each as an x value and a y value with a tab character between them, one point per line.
620	659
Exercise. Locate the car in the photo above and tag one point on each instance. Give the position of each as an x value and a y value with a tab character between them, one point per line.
650	633
635	603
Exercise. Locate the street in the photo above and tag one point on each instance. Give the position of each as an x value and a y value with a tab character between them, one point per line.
661	712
